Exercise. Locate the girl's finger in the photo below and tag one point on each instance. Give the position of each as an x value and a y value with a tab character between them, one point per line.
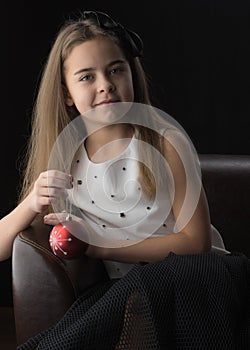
55	218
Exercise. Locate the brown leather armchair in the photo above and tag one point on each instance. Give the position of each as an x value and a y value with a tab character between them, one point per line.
44	286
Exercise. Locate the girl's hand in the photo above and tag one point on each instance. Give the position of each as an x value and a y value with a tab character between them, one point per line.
50	186
55	218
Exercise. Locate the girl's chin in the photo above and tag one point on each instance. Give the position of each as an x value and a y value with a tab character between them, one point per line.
106	114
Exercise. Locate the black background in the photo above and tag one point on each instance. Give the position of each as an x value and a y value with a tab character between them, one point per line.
196	52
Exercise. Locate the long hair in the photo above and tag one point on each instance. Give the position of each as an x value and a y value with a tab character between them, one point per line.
51	114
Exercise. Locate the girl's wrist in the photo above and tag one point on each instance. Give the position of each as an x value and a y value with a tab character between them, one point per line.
27	203
97	252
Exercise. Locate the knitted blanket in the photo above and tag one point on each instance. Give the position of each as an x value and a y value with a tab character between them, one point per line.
199	301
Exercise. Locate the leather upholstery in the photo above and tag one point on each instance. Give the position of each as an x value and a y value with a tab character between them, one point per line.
44	286
226	180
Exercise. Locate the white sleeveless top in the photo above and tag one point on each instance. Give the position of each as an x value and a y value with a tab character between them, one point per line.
111	201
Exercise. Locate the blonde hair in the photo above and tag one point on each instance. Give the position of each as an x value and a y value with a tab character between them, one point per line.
51	114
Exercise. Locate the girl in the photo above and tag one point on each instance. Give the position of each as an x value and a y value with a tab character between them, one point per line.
138	211
129	179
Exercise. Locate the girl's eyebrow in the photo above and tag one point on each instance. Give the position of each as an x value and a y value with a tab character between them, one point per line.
80	71
84	70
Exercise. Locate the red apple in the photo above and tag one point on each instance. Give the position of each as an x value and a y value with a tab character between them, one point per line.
64	244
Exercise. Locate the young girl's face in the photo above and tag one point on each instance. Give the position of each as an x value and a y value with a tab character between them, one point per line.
97	73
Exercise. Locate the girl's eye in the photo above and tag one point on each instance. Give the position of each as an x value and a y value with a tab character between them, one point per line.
115	70
86	77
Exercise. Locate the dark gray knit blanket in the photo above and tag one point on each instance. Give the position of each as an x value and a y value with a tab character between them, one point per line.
199	301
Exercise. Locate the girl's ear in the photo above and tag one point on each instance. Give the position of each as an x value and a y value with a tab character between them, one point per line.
67	98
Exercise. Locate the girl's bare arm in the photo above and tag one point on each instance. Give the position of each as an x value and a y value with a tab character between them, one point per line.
50	184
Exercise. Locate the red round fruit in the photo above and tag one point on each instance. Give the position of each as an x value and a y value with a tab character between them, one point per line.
64	244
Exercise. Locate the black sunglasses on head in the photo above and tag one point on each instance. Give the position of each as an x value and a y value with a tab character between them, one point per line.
130	39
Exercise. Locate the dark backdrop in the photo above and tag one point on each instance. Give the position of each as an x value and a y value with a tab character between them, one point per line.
197	54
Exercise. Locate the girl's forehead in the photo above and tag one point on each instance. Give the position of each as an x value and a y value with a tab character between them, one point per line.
95	50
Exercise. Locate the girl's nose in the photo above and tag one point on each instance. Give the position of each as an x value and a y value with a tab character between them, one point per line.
105	85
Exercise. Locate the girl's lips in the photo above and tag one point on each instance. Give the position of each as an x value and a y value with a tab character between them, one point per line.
106	102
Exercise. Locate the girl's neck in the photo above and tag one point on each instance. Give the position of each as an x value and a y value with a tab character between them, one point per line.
108	142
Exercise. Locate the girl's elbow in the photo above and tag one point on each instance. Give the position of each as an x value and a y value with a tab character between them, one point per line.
205	244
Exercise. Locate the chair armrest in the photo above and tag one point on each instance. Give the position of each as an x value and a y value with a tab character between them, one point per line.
226	179
44	286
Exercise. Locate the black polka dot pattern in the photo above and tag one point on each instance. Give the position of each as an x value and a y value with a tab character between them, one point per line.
123	217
